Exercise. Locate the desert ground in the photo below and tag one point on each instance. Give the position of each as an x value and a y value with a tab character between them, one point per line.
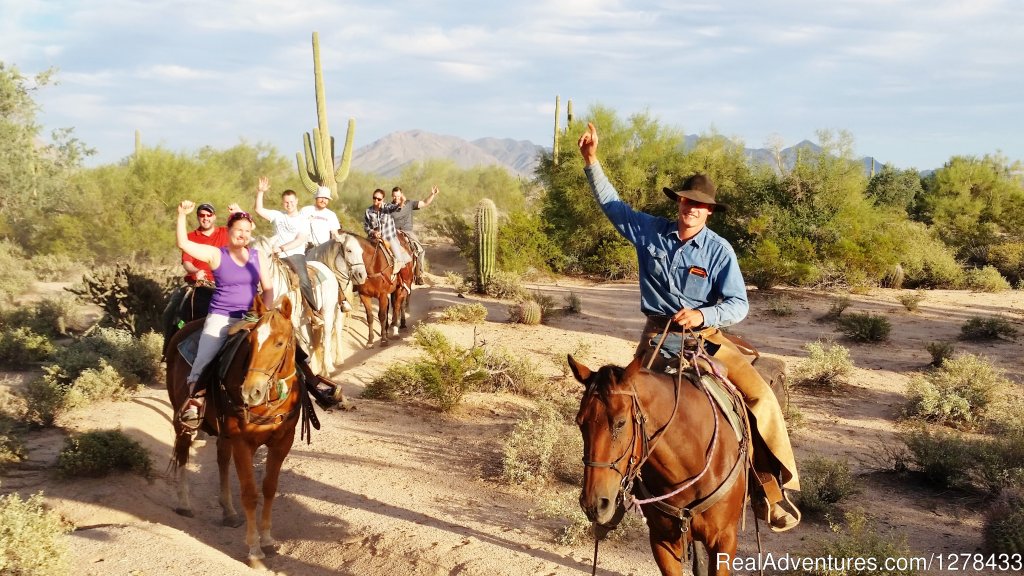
401	488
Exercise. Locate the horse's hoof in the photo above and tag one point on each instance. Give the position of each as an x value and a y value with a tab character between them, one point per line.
346	405
232	521
257	563
184	512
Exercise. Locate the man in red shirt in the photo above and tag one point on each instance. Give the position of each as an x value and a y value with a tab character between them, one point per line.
198	272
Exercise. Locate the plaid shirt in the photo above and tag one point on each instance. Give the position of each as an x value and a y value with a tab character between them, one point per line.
381	220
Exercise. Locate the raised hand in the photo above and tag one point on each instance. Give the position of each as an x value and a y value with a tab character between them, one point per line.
263	185
588	145
186	207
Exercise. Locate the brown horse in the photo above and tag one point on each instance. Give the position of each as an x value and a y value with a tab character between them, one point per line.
662	443
258	403
389	289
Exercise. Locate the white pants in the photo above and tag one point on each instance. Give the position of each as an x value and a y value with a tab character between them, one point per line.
401	256
215	329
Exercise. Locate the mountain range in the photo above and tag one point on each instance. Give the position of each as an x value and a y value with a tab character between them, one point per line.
390	154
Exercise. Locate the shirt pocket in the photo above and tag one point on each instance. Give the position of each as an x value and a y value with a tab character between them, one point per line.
659	264
697	287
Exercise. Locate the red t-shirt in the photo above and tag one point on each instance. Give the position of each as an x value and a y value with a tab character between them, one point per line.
218	238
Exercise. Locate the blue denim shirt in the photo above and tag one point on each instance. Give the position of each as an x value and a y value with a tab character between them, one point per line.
701	273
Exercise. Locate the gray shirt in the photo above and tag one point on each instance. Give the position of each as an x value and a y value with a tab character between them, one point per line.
403	218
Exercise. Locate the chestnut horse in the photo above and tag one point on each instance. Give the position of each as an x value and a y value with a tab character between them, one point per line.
389	289
663	443
258	403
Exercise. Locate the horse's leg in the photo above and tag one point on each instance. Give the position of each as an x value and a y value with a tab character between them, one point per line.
229	516
243	455
182	444
666	543
368	306
277	451
382	316
395	306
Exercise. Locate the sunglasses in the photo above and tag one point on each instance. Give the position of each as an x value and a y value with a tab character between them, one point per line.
205	215
378	198
239	216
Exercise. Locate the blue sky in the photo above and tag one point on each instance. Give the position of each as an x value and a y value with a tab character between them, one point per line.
914	81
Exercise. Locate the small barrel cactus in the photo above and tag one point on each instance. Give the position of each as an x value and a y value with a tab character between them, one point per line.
487	242
527	312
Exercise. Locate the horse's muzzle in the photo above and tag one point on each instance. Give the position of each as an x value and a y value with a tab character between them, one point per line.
600	510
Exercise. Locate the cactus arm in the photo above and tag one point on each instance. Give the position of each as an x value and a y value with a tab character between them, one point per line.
346	154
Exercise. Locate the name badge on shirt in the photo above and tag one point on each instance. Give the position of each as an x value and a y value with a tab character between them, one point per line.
698	271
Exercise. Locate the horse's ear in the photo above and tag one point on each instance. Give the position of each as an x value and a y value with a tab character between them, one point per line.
634	367
580	371
285	306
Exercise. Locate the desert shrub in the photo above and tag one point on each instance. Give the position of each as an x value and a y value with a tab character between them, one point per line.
986	279
859	537
449	371
1004	523
912	300
991	328
505	285
466	313
30	538
22	347
137	359
573	303
12	449
944	459
530	451
44	398
957	393
827	365
509	372
823	484
398	380
460	283
17	277
50	316
836	308
1008	258
100	452
940	351
548	305
95	384
779	306
54	267
865	327
523	244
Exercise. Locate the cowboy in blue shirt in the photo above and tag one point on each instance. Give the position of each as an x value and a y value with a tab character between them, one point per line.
690	280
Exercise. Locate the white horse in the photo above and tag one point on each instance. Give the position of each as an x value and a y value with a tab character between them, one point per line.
321	343
344	258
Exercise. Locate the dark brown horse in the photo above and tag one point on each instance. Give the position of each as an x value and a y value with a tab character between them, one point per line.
382	284
664	444
259	405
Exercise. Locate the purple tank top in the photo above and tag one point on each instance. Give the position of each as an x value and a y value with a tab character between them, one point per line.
236	285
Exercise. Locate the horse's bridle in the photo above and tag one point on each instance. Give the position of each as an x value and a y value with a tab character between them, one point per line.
271	375
347	274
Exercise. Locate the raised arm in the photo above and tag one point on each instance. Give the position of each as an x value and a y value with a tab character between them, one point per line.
588	145
201	252
262	186
433	193
265	280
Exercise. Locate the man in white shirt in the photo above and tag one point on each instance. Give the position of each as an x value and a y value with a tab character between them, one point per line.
323	222
291	231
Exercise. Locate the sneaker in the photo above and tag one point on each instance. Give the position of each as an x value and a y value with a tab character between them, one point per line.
192	417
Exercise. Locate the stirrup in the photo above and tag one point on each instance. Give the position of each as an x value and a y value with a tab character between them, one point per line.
192	413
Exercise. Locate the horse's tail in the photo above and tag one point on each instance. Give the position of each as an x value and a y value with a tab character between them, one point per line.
179	454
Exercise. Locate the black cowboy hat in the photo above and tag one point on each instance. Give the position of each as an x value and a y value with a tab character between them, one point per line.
698	188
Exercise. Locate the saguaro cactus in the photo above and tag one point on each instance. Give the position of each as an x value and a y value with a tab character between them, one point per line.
558	132
317	167
487	242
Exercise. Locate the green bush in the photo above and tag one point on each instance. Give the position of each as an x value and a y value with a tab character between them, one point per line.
828	365
514	373
50	316
1004	523
12	449
912	300
137	359
823	484
44	398
397	380
17	278
533	449
573	303
991	328
30	538
865	327
836	308
957	393
986	279
22	348
944	459
940	351
100	452
1008	258
779	306
54	267
95	384
860	537
505	285
548	306
466	313
132	298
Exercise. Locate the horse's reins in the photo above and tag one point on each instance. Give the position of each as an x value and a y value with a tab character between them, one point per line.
270	374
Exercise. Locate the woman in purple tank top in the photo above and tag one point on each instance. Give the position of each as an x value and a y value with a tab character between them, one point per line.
237	269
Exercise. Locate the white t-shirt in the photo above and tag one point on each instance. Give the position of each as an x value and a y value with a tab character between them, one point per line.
321	223
286	228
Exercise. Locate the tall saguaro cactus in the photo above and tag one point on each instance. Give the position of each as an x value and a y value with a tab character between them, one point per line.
554	148
487	242
317	167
